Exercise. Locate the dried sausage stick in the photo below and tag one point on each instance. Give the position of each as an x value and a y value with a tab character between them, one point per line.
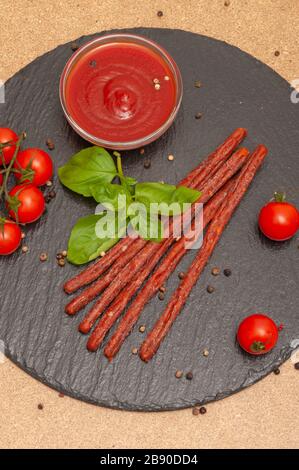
151	344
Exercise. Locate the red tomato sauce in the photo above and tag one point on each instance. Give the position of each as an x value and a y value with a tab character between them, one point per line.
112	92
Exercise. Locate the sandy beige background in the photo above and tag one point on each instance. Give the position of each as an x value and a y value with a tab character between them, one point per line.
267	414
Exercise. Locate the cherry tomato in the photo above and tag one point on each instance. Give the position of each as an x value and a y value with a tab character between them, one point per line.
7	135
257	334
10	237
32	203
279	220
38	161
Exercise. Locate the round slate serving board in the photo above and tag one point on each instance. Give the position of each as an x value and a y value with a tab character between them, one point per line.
237	90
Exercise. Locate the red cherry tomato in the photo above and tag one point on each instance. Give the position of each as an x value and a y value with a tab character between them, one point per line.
279	220
10	237
7	135
257	334
38	161
32	203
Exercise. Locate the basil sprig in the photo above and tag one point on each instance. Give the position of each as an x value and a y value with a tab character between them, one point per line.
128	203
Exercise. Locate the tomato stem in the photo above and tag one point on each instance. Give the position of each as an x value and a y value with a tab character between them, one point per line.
257	346
279	197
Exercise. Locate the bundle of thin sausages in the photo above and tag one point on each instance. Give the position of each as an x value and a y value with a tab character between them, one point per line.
135	266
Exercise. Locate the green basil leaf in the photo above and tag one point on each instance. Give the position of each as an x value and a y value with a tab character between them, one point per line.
171	198
130	181
112	196
149	227
84	244
86	168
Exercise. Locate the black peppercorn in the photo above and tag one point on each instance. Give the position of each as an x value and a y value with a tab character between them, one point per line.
161	296
147	164
210	289
227	272
202	410
160	13
276	371
189	376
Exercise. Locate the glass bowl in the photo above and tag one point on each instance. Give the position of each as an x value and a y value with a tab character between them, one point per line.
121	38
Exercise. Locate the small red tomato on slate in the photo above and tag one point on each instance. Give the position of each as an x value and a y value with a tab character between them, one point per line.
10	236
27	203
279	220
7	135
34	166
257	334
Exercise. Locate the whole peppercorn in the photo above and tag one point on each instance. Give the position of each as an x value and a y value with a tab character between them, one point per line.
198	115
195	411
159	13
64	253
205	352
59	256
134	351
142	328
276	371
276	53
181	275
40	406
179	374
162	289
189	376
147	164
202	410
43	257
52	194
50	144
25	249
210	289
197	84
227	272
161	296
296	366
215	271
74	46
61	262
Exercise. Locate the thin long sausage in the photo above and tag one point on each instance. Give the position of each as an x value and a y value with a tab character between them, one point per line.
151	344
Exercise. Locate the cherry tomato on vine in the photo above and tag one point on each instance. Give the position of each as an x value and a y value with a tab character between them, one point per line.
7	135
279	220
30	201
258	334
34	162
10	236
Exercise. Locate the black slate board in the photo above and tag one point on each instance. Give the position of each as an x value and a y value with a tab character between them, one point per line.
237	91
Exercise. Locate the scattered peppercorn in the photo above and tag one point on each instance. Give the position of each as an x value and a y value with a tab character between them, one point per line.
170	158
93	63
40	406
210	289
189	376
59	256
202	410
205	352
160	13
147	164
61	262
227	3
43	257
296	366
52	194
197	84
276	371
179	374
195	411
166	78
276	53
181	275
156	80
215	271
25	249
198	115
227	272
162	289
64	253
74	46
157	86
23	235
142	328
49	183
61	395
141	151
47	199
50	144
134	351
161	296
